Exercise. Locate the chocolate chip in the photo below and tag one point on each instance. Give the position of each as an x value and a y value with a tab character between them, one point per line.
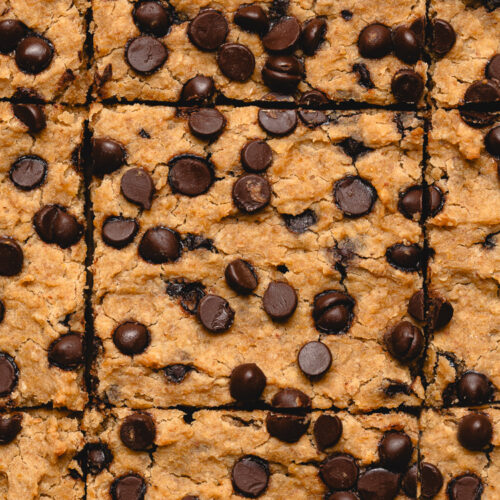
198	90
283	36
301	222
327	431
250	476
106	156
405	341
215	313
279	300
364	77
129	487
406	45
159	245
190	175
407	86
411	202
131	338
465	487
475	431
67	351
32	115
379	484
409	483
332	311
190	293
353	148
206	123
313	33
190	497
236	61
418	27
196	241
152	18
9	374
176	373
11	257
291	399
28	172
395	450
286	428
282	73
443	37
251	193
354	196
10	426
416	306
138	431
431	480
11	33
94	458
343	495
476	119
441	312
279	122
492	70
252	18
314	359
247	382
145	54
406	258
34	54
492	141
482	92
474	389
137	186
118	232
55	225
241	277
208	30
374	41
339	472
313	117
256	156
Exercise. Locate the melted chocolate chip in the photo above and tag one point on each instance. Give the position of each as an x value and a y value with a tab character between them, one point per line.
251	193
364	77
138	431
279	300
28	172
145	54
160	245
94	458
32	115
482	92
67	351
465	487
55	225
10	425
190	175
247	382
300	223
333	312
327	431
118	232
353	148
339	472
177	373
250	476
138	187
215	313
190	294
208	30
477	119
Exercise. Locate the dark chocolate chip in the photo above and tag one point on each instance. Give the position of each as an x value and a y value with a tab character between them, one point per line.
418	27
159	245
465	487
28	172
375	41
411	202
206	123
11	33
251	193
129	487
282	73
256	156
236	61
145	54
492	70
55	225
416	306
215	313
313	33
327	431
409	483
378	484
208	30
131	338
364	77
395	450
176	373
9	374
441	313
138	431
482	92
405	341
406	45
492	142
10	425
247	382
11	257
314	359
354	196
278	122
106	156
346	15
353	148
190	175
279	300
286	428
241	277
250	476
67	352
152	18
94	458
252	18
32	115
475	431
333	311
474	389
283	36
477	119
118	232
300	223
196	241
407	86
198	90
431	480
443	37
137	186
313	117
291	399
34	54
190	294
407	258
339	472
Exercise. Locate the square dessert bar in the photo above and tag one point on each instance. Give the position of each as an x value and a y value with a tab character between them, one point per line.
37	456
459	453
189	50
226	454
42	255
465	49
42	50
239	251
